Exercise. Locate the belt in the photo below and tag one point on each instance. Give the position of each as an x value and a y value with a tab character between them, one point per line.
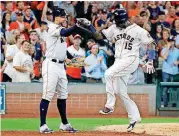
57	61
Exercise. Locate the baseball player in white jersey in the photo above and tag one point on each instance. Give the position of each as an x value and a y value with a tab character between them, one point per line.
127	37
53	71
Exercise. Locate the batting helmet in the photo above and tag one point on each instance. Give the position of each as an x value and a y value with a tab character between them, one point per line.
60	13
120	17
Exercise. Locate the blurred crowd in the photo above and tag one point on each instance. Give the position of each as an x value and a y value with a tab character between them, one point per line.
22	39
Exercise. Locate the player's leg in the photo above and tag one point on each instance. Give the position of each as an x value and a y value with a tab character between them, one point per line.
62	95
119	66
110	90
130	106
49	88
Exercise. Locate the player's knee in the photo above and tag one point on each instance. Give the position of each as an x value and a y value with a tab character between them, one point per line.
63	95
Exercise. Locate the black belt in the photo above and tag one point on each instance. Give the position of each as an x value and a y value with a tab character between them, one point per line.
57	61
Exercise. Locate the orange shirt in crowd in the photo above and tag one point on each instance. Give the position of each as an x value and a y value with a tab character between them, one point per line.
37	5
15	25
133	12
171	19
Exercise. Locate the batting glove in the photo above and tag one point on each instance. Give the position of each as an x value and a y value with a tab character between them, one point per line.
83	21
149	67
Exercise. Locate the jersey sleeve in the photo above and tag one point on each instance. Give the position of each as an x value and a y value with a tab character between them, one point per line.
145	37
109	32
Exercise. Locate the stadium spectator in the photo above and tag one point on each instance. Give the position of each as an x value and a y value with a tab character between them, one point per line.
9	8
78	55
163	42
28	19
102	22
171	16
37	57
67	5
170	66
175	30
12	50
167	6
37	7
154	11
6	20
75	50
22	63
19	7
80	8
3	48
20	24
158	34
132	9
91	14
101	52
95	66
144	16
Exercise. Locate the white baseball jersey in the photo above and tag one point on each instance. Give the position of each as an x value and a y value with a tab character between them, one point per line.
55	44
127	41
11	51
23	60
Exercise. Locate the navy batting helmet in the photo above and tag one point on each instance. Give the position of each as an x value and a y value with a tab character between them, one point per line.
120	17
60	13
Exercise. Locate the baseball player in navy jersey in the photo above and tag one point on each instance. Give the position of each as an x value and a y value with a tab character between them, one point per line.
53	72
128	37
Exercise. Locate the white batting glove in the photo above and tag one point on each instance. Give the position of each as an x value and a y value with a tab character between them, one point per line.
83	21
149	68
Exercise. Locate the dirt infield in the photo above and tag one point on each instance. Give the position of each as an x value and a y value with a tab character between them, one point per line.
162	129
21	133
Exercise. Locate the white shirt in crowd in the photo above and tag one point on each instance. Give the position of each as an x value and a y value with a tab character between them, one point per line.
12	50
76	53
23	60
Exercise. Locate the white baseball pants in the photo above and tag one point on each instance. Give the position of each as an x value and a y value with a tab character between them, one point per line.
54	80
117	77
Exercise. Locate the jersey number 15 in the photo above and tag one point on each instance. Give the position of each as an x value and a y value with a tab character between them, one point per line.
128	46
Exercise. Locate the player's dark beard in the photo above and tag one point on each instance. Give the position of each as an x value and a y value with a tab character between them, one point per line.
123	25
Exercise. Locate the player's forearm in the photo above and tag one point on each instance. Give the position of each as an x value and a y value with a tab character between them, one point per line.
20	69
67	32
